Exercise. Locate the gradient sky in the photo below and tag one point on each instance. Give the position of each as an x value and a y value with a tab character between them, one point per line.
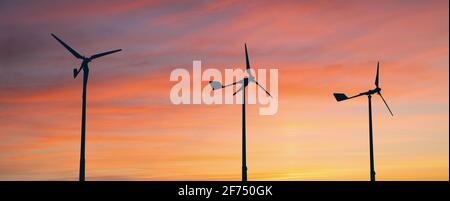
135	133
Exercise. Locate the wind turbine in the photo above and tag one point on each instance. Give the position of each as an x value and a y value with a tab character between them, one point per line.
377	90
85	68
244	83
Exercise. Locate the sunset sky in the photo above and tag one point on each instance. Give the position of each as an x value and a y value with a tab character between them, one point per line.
134	132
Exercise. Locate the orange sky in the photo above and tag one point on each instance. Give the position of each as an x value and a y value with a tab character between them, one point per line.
135	133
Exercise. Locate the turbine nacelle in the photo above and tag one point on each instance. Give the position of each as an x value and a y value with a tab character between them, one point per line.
374	91
86	60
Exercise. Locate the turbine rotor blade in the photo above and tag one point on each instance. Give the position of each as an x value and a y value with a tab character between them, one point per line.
71	50
385	103
104	54
240	89
377	77
262	88
246	58
249	72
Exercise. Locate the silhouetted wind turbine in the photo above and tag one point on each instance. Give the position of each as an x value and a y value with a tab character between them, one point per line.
244	83
85	68
377	90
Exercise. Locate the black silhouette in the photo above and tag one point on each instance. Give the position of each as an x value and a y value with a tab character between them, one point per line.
244	83
377	90
85	68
